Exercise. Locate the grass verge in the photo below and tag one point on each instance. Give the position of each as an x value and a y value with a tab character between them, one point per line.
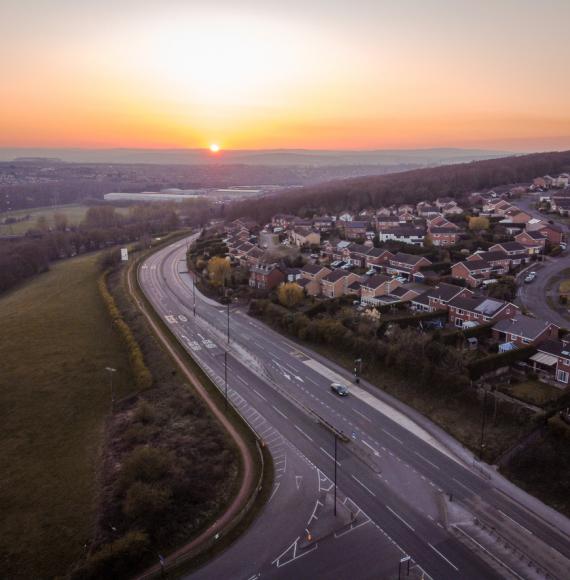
56	341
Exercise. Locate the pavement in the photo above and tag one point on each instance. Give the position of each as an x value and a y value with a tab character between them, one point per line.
392	472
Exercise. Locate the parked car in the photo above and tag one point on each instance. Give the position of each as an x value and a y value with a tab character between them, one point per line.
347	267
371	272
530	277
340	390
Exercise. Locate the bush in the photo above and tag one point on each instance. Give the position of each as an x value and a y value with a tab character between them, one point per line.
117	559
146	464
145	503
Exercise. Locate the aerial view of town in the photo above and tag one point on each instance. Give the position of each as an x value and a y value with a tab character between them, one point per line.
285	290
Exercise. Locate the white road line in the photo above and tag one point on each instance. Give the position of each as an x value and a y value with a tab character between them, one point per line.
370	446
515	522
463	485
362	415
426	460
393	436
359	482
258	393
242	380
329	455
301	431
400	518
440	554
280	412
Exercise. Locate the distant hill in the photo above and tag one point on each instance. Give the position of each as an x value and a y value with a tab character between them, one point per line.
299	157
408	186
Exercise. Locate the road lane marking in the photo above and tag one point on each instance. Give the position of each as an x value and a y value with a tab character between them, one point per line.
440	554
375	451
329	455
463	485
280	412
393	436
362	415
400	518
515	522
301	431
258	393
426	460
359	482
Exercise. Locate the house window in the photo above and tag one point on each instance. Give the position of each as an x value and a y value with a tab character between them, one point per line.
562	376
526	340
458	322
459	311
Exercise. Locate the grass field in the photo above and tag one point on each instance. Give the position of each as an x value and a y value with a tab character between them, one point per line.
75	214
55	342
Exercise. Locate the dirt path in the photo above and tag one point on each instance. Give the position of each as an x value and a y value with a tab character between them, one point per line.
249	482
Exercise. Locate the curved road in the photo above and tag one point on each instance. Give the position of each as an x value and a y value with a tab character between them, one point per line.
394	474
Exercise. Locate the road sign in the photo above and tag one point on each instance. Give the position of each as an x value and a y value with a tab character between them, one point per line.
405	559
124	254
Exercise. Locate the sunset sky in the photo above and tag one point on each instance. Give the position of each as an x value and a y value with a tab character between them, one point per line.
328	74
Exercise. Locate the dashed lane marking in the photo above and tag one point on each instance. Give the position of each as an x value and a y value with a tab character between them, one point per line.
362	485
442	556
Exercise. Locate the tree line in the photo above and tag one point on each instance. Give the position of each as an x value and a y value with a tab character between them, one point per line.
102	227
356	194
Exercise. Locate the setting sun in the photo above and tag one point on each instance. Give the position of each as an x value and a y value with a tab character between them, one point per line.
214	148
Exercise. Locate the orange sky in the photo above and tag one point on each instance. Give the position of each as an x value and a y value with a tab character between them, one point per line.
325	74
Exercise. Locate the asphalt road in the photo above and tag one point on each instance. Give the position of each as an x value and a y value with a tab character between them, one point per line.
393	472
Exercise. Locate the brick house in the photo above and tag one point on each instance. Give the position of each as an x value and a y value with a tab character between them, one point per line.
444	236
282	220
518	253
314	273
254	256
387	222
377	257
500	262
377	285
336	283
517	216
354	230
265	276
479	309
553	356
406	265
323	223
534	241
304	236
553	232
473	272
523	330
438	298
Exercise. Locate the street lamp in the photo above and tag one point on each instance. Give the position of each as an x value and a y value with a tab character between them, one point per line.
483	421
111	370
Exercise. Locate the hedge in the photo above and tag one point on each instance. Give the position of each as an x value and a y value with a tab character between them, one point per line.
495	361
476	331
143	377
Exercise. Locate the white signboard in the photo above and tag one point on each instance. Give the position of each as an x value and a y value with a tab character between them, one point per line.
124	254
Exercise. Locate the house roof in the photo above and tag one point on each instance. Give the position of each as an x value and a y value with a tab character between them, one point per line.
443	230
375	281
521	325
489	256
510	246
335	275
535	235
312	268
474	265
478	304
356	225
554	347
443	291
377	252
409	259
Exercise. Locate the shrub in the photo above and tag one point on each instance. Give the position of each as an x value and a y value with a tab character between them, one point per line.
145	503
117	559
146	464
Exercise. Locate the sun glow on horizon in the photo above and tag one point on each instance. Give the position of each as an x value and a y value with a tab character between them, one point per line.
214	148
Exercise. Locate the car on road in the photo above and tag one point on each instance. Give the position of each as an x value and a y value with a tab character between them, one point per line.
340	390
530	277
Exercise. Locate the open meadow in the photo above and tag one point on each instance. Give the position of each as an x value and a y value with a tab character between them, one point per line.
55	341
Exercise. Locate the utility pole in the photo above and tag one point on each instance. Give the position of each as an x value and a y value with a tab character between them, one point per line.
335	464
194	293
111	370
483	420
228	322
226	376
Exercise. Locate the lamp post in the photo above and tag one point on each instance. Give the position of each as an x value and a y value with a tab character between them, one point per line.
226	376
228	322
483	420
335	465
111	370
